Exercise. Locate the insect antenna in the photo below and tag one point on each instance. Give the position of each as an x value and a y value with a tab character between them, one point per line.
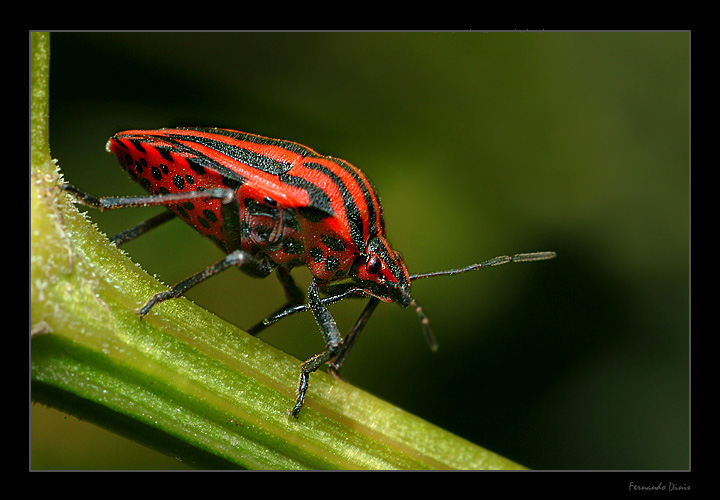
427	329
503	259
424	320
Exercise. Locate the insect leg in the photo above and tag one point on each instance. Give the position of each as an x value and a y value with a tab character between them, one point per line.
113	202
335	364
293	294
333	340
342	293
229	210
238	258
142	228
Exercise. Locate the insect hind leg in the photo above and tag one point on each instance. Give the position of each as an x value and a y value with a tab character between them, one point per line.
243	260
149	200
142	228
229	210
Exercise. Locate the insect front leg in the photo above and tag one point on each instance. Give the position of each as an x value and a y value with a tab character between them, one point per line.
333	340
335	364
289	310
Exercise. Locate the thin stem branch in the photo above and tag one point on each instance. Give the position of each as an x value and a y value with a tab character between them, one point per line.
181	379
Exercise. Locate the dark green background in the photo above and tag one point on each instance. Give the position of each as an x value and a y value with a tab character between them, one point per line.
480	144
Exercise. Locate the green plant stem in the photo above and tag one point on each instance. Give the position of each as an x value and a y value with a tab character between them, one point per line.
182	380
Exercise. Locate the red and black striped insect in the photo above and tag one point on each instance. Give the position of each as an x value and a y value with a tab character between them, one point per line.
272	205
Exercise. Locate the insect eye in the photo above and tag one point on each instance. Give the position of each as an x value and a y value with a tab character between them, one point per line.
373	265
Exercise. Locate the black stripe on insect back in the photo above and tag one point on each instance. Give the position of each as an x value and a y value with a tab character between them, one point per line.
365	186
320	203
256	160
351	210
293	147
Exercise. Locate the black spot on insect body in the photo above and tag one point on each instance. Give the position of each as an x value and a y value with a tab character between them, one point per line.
145	183
195	166
156	173
137	145
128	160
180	210
210	216
162	190
179	182
139	167
204	223
165	154
333	243
164	168
143	162
316	254
331	263
293	246
189	179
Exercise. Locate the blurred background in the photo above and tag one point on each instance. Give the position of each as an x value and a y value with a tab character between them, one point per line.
480	144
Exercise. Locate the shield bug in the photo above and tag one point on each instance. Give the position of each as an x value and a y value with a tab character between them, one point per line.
272	205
